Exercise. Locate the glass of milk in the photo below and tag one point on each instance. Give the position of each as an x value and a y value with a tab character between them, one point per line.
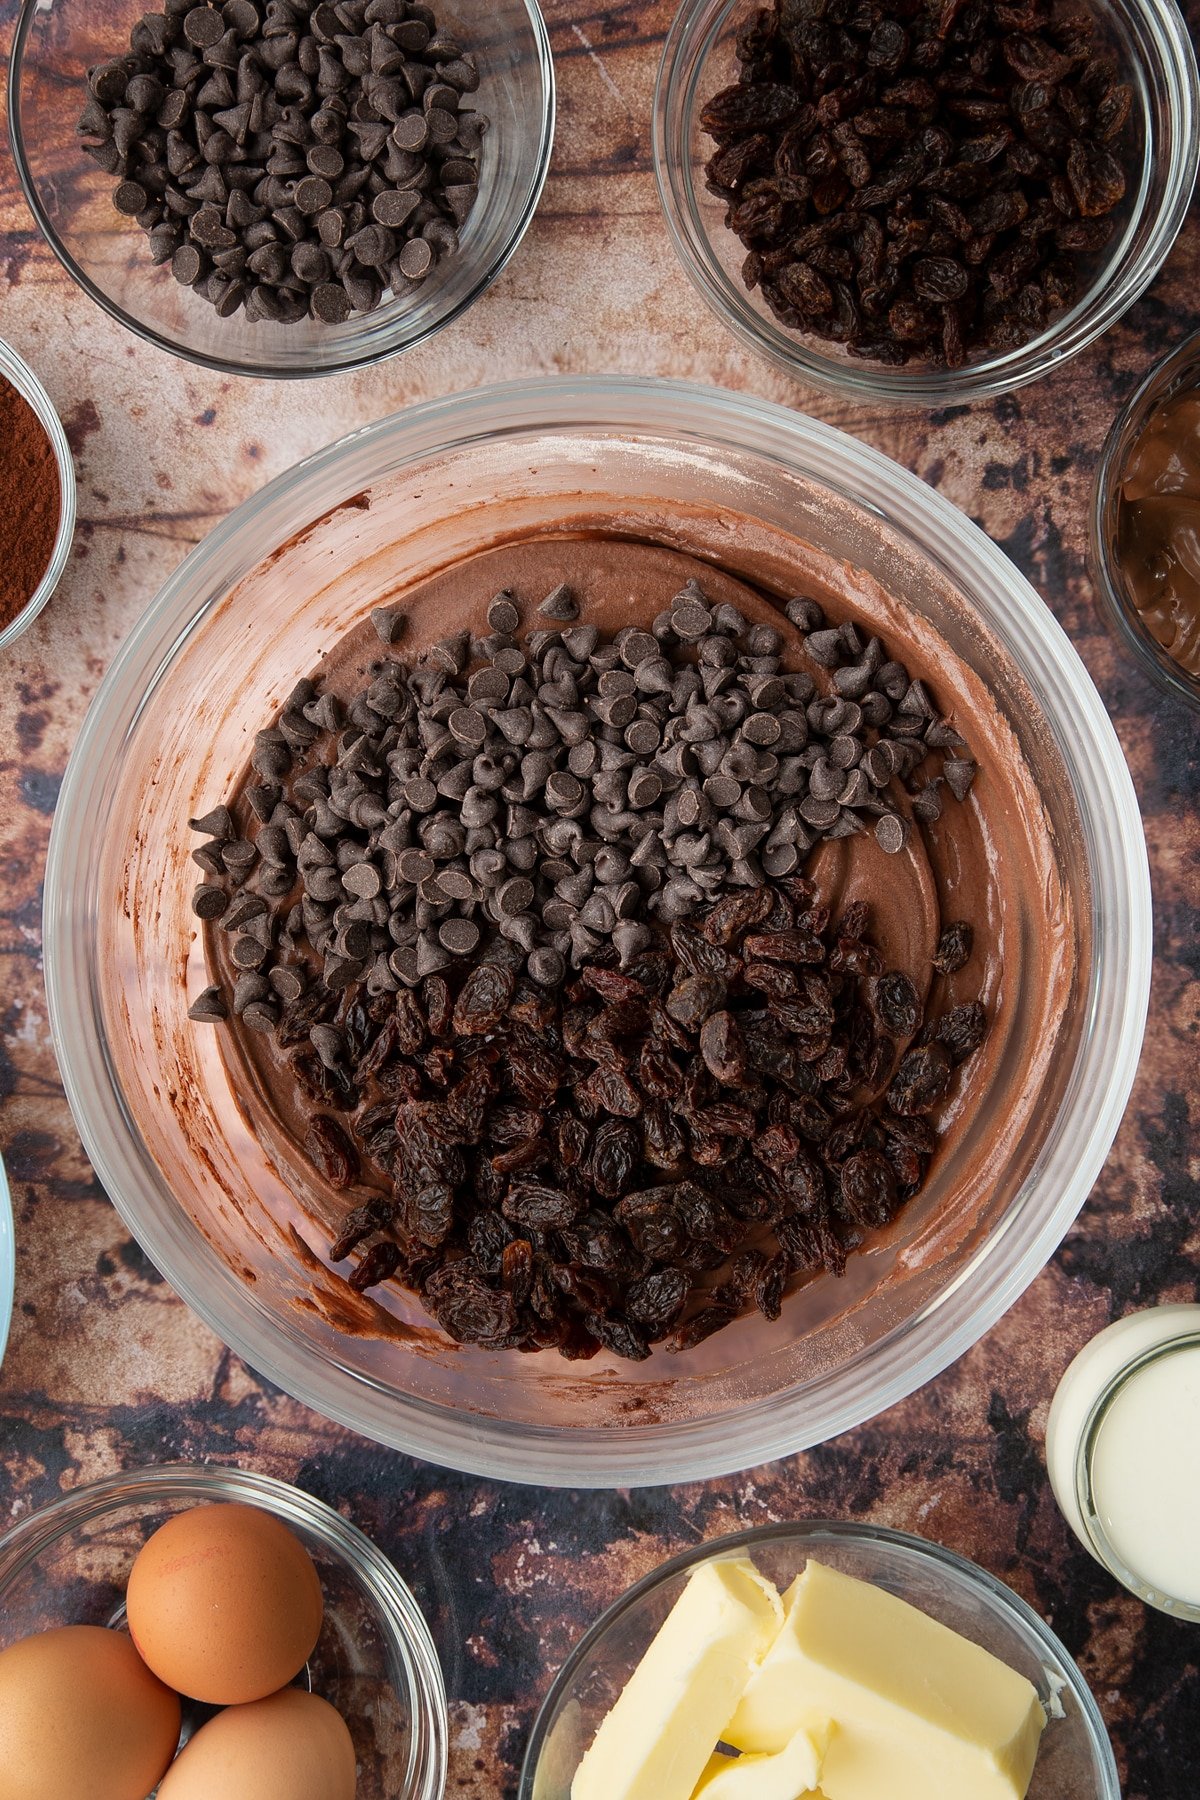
1123	1454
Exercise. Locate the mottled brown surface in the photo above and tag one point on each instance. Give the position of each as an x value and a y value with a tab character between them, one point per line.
107	1369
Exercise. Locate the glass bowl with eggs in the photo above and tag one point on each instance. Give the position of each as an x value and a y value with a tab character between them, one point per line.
190	1630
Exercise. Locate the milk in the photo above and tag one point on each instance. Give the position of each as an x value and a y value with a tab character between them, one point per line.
1123	1453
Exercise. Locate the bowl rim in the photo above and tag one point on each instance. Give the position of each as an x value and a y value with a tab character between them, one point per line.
352	360
399	1613
1163	379
928	1340
15	370
991	1589
1066	337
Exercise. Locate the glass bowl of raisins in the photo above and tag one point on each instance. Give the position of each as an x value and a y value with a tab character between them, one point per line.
923	201
282	188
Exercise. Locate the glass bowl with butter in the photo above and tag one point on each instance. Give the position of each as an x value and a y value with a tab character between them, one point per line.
1145	525
779	1660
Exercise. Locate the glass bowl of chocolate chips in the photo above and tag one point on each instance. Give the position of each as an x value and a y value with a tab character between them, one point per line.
282	188
924	201
638	956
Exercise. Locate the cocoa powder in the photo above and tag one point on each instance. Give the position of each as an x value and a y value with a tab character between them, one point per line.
30	502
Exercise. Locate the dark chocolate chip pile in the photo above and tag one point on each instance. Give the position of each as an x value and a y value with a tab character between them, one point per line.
298	159
564	791
921	179
643	1154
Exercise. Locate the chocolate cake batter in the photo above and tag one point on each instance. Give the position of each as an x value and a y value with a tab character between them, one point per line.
990	861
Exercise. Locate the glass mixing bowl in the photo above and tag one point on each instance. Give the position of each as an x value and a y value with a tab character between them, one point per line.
69	1565
58	41
1075	1758
214	656
1158	60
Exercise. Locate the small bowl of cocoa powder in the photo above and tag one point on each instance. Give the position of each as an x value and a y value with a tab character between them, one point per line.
37	496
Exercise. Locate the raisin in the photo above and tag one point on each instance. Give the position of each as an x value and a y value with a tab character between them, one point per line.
768	1287
516	1270
897	1004
361	1222
722	1048
921	1080
963	1030
611	1090
428	1215
739	109
953	948
940	279
614	1155
534	1204
379	1264
483	999
652	1222
655	1301
867	1188
1096	177
331	1152
472	1313
700	1326
730	167
439	1005
692	1000
617	1336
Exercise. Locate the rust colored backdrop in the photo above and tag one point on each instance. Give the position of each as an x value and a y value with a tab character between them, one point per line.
107	1369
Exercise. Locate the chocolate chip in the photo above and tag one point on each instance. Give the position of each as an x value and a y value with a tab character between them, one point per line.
187	265
806	614
459	936
389	622
826	648
416	259
959	772
203	27
330	304
362	879
209	1007
218	823
892	832
502	614
560	604
394	208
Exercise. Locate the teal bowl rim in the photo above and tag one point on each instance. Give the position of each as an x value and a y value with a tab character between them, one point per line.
8	1259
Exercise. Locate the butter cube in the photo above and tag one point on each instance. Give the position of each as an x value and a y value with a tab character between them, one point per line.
919	1712
655	1741
790	1774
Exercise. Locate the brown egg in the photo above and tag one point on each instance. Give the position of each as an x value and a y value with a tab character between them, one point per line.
292	1746
81	1714
225	1604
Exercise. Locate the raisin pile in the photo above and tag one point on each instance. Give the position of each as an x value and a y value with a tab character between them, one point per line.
921	180
645	1153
